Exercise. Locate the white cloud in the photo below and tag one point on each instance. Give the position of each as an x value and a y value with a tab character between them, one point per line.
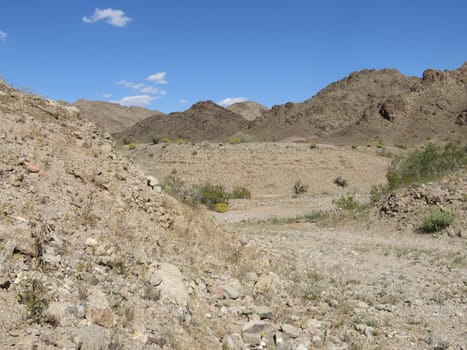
231	100
152	90
141	87
130	84
158	78
113	17
183	101
107	95
3	36
138	100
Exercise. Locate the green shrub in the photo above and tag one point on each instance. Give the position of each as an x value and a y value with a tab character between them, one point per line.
213	194
234	140
240	137
437	219
132	145
155	140
347	203
180	141
166	139
313	145
427	164
240	192
33	296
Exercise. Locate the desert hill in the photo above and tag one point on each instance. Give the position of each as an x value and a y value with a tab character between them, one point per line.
112	117
203	121
249	110
382	104
92	254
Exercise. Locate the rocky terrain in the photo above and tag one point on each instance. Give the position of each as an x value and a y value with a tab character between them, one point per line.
112	117
382	104
94	254
367	106
249	110
269	170
203	121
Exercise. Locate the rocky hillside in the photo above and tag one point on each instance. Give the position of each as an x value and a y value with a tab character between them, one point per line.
203	121
249	110
92	255
112	117
376	104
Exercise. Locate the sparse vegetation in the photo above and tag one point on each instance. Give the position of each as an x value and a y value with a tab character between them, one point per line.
166	140
340	181
155	140
348	203
234	140
222	207
240	192
132	145
313	145
426	164
208	194
437	219
240	137
213	194
33	296
180	141
299	188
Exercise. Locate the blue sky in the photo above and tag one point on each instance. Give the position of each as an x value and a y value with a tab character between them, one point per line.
166	55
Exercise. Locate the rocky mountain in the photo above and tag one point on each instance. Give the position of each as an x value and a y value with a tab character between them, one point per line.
203	121
249	110
112	117
376	104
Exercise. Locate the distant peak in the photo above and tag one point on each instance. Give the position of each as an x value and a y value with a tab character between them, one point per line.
201	105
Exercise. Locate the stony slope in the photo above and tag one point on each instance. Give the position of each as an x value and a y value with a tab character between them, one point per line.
91	256
249	110
112	117
202	121
382	104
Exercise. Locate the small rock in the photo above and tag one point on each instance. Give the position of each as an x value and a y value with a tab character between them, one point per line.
383	307
216	291
139	337
313	324
316	339
290	330
233	342
369	331
302	347
151	181
251	277
90	338
254	331
230	292
91	242
264	312
30	167
98	310
172	288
